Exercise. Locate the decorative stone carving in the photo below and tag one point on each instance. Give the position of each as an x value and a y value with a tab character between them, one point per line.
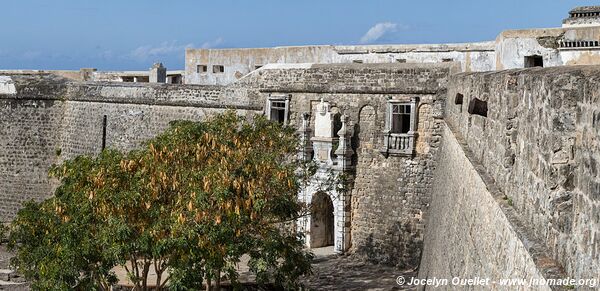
344	151
305	152
324	138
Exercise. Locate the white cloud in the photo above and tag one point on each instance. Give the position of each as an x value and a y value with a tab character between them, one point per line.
213	43
379	31
166	48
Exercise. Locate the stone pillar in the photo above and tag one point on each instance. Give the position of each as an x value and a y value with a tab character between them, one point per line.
413	122
344	151
305	150
158	73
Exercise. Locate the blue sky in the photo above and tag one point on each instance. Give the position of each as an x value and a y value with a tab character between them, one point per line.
131	34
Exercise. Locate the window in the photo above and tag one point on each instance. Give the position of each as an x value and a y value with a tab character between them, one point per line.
257	67
458	99
401	60
478	107
278	111
534	61
447	60
277	108
357	61
218	69
104	124
400	128
400	118
201	68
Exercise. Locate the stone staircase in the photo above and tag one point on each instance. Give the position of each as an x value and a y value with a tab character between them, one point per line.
9	279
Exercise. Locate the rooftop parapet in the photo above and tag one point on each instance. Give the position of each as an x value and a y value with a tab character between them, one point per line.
583	16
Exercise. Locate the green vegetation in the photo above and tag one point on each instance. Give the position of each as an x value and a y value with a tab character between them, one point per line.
189	204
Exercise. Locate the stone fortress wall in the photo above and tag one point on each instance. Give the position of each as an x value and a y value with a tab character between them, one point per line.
389	196
577	42
539	145
503	181
47	119
200	64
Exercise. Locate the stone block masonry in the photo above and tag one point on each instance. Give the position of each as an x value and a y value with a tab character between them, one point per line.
539	143
534	132
472	231
48	119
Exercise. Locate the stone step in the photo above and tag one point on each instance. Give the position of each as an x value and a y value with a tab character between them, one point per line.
13	286
5	274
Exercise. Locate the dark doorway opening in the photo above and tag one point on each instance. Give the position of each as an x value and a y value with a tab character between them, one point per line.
534	61
321	221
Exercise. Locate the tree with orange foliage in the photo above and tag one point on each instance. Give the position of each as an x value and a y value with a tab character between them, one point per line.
189	204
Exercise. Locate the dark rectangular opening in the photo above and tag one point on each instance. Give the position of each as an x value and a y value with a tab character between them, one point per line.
104	122
478	107
447	60
534	61
400	118
278	111
458	99
401	60
218	69
257	67
201	69
357	61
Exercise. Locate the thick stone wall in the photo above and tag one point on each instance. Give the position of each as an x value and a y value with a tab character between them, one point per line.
29	137
389	196
478	56
352	78
539	142
471	232
46	119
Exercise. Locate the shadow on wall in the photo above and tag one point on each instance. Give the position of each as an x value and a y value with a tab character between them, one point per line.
401	247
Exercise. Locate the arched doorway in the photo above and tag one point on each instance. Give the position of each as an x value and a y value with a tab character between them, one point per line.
321	221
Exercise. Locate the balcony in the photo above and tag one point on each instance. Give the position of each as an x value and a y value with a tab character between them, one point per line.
398	144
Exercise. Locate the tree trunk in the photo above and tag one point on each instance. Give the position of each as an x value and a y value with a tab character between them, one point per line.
218	281
208	283
145	276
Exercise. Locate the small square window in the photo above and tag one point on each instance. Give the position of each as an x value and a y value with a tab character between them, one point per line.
201	69
218	69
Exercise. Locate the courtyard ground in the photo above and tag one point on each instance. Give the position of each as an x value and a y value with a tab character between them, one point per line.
330	272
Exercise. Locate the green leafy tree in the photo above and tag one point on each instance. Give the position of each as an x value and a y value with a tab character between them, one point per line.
189	204
240	189
3	232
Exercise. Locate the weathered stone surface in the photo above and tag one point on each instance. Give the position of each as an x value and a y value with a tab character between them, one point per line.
471	231
539	143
